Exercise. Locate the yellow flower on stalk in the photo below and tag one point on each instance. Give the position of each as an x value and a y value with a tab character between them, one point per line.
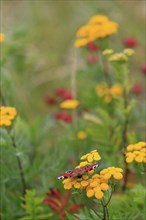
116	90
76	183
98	26
91	157
99	183
81	42
107	52
7	114
103	90
98	19
69	104
97	186
121	56
82	135
136	152
118	57
2	37
128	51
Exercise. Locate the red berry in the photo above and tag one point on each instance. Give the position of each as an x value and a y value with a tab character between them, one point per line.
92	46
64	93
50	100
91	59
63	116
130	42
137	89
144	68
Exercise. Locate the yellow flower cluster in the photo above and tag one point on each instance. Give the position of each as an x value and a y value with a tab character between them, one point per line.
7	114
107	93
2	37
114	172
99	26
69	104
99	183
91	157
96	184
77	183
136	152
122	56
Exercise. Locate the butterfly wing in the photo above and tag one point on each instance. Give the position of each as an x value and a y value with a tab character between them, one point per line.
65	175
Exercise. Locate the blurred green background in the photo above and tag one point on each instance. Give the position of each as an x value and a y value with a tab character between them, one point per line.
38	56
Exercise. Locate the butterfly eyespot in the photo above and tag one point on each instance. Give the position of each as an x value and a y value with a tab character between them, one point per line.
88	165
95	166
69	171
60	177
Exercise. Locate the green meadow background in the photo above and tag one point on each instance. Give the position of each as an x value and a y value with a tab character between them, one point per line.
38	57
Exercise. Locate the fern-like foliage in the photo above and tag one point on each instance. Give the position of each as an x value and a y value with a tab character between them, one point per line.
34	207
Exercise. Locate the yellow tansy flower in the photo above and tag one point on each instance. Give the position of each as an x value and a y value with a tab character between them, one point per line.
93	156
90	193
107	93
98	27
116	90
104	186
69	104
77	185
83	31
136	152
130	147
107	52
128	51
7	114
2	37
81	42
121	56
98	19
114	172
118	176
118	57
84	183
99	194
82	135
139	159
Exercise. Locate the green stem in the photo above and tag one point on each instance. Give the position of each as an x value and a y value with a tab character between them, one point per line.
96	213
106	71
22	178
104	210
91	207
124	137
109	199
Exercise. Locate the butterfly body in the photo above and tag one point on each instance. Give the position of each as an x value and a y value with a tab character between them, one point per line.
78	172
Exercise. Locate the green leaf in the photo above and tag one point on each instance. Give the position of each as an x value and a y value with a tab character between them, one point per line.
33	206
69	216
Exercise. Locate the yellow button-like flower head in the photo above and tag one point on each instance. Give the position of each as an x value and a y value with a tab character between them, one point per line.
136	152
99	26
82	135
116	90
69	104
7	114
2	37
